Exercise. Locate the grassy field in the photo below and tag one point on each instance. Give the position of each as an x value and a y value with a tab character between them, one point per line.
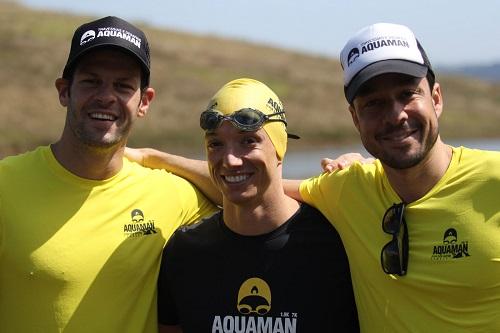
186	72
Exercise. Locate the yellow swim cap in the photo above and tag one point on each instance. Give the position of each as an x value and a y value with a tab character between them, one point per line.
248	93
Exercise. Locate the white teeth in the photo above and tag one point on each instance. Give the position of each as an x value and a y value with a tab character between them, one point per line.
236	179
398	136
102	116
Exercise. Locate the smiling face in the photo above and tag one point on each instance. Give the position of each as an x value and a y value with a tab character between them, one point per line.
103	98
397	118
243	165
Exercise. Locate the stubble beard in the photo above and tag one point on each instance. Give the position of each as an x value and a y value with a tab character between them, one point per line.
406	160
92	138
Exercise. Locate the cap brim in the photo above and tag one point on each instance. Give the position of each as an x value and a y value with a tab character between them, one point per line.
383	67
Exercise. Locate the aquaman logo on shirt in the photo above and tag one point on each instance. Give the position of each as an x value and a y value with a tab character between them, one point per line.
254	304
450	248
137	227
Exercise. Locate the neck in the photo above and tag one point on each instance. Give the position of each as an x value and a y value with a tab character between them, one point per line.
251	219
413	183
89	162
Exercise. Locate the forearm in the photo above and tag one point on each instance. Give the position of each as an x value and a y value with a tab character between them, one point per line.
291	188
196	171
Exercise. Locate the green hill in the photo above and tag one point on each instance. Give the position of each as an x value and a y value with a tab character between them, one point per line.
187	70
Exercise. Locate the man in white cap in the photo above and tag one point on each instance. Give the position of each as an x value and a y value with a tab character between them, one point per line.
392	214
265	263
82	228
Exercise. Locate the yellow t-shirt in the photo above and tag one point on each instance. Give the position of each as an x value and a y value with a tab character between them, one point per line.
79	255
453	280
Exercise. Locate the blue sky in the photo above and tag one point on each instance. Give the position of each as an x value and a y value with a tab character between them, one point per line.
452	32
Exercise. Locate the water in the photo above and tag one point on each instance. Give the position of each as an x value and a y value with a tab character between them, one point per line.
304	164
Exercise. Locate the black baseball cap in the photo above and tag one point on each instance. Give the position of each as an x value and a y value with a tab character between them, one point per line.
109	31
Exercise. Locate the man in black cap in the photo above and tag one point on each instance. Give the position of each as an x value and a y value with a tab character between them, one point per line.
73	257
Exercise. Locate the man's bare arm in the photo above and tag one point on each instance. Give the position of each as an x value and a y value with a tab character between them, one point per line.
196	171
344	161
291	187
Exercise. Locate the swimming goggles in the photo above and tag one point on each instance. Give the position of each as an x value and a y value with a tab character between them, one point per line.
245	119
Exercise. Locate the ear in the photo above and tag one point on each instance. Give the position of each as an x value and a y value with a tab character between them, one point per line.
279	162
354	116
146	98
437	99
63	86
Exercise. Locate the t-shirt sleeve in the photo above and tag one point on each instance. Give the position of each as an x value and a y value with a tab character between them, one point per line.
195	204
307	190
322	192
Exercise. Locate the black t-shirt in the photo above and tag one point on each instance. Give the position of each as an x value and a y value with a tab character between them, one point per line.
294	279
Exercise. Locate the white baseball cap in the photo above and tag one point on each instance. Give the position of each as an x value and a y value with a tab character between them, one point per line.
378	49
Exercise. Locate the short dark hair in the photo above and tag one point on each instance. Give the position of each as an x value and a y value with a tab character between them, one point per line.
431	78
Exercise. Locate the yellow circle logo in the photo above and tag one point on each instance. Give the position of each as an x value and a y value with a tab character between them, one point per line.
254	296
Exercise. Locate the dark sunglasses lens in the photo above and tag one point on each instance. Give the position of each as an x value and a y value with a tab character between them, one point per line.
248	117
392	220
209	120
391	258
394	255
